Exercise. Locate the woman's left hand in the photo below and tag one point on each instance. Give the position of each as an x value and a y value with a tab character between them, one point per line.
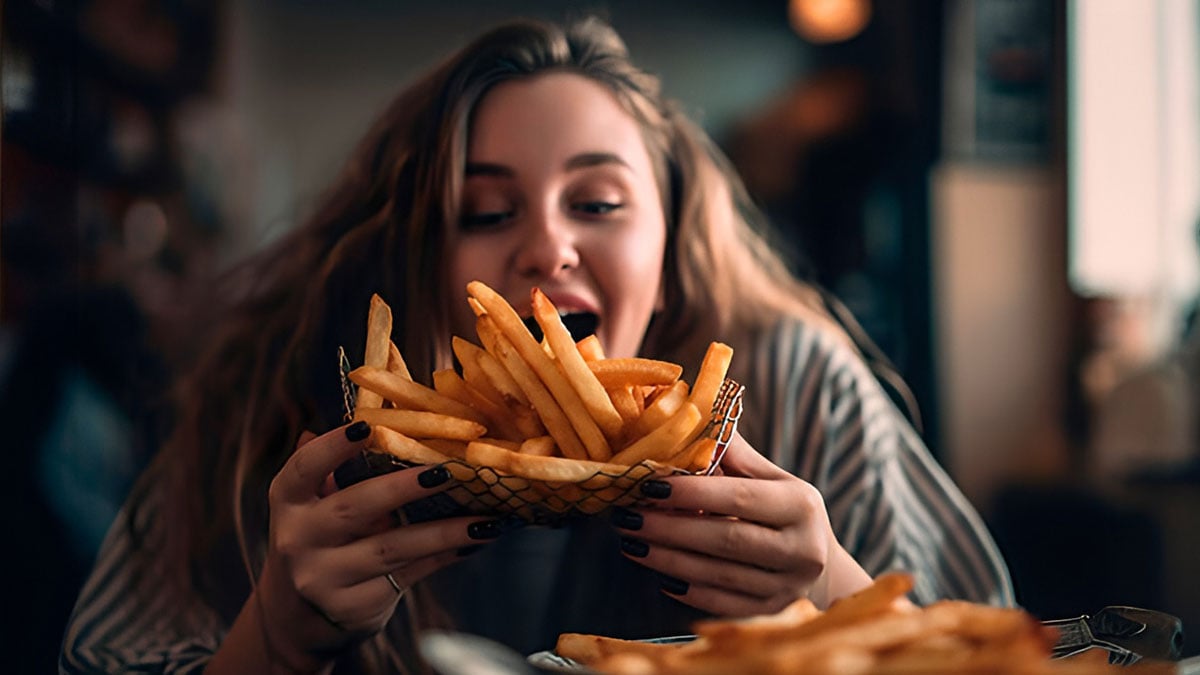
746	542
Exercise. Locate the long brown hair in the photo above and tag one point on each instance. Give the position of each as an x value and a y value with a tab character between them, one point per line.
269	370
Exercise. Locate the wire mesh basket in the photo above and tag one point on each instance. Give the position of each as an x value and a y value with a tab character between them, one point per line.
486	490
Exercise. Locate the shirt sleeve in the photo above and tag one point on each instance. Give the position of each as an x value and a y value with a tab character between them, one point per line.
890	503
128	620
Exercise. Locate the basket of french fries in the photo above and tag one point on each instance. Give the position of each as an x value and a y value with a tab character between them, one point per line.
874	631
541	429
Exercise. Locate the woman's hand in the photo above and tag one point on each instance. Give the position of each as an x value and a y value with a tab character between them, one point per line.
747	542
324	585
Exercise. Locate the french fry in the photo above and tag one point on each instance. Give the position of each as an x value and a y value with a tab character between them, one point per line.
450	448
403	447
590	349
595	400
422	424
409	394
566	398
395	362
375	354
634	371
711	376
553	416
484	373
697	456
659	411
551	469
498	418
542	446
625	403
666	441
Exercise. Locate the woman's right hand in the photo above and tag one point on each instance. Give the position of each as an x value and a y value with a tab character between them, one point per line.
324	586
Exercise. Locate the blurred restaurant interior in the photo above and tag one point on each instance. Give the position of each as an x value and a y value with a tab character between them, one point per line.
1005	193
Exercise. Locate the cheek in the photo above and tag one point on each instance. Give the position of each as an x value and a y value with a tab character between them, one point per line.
468	261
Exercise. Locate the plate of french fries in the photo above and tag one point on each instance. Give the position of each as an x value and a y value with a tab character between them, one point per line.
540	428
874	631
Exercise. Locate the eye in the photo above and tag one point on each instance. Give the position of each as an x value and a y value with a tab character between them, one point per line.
598	208
483	220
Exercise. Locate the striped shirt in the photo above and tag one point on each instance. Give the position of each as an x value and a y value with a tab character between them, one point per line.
811	405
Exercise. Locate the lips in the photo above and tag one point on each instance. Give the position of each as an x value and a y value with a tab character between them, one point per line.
580	325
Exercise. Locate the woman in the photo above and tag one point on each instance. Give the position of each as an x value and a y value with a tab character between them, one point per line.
536	156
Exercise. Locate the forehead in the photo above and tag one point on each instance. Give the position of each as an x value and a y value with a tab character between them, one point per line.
552	116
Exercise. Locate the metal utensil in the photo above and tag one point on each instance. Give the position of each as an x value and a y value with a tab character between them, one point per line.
453	653
1129	634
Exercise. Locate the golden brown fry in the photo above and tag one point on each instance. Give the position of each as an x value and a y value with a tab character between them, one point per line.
565	397
403	447
543	446
666	441
659	411
543	402
623	400
498	418
497	372
449	448
711	376
395	362
590	349
635	371
587	649
375	354
422	424
551	469
697	456
410	395
591	393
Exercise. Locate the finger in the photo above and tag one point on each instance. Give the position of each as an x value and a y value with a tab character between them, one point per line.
723	538
743	460
355	511
774	503
704	570
381	553
301	477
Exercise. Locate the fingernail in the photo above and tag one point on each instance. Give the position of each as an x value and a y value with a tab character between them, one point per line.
626	519
468	550
484	529
433	477
358	431
656	489
635	548
672	585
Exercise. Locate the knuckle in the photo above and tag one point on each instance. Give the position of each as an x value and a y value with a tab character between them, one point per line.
731	541
743	497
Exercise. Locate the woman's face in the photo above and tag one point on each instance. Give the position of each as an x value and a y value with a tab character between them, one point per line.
559	193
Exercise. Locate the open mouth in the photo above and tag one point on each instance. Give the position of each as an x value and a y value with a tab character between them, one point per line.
580	325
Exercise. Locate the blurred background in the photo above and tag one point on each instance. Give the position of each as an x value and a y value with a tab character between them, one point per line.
1005	193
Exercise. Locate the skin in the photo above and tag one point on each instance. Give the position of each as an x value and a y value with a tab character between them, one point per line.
560	194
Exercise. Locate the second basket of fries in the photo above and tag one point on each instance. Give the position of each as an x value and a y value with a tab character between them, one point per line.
540	429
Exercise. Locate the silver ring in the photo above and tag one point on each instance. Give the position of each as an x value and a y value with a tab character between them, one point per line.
392	581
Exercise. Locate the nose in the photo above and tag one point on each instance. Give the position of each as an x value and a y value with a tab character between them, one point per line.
547	247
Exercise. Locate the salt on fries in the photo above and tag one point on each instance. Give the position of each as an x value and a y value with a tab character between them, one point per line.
558	417
873	631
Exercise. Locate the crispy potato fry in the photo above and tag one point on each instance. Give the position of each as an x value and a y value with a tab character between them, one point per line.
659	411
591	392
546	406
551	469
585	648
498	418
565	397
422	424
375	354
395	362
666	441
590	349
636	371
403	447
542	446
411	395
483	372
450	448
711	376
697	456
626	404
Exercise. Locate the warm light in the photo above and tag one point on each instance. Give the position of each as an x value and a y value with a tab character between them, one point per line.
829	20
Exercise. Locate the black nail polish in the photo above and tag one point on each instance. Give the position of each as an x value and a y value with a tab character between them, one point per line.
656	489
635	548
358	431
626	519
433	477
672	585
484	529
468	550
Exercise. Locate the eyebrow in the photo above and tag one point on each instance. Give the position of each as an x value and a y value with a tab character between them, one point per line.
580	161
